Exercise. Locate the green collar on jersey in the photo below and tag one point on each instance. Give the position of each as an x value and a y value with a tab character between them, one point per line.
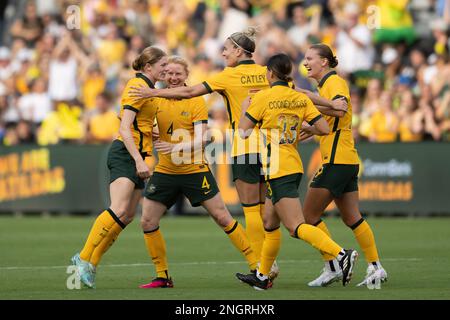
280	83
325	77
147	80
245	62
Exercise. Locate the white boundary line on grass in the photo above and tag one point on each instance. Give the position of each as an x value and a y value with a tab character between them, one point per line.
126	265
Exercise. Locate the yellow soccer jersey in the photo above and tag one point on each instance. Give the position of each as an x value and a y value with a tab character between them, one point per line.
280	112
338	147
235	84
145	114
176	119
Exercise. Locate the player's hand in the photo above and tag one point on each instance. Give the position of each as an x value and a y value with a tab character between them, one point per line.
140	92
163	146
142	169
340	104
304	136
155	135
306	129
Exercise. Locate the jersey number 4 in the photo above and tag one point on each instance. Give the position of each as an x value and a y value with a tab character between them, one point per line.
170	130
205	184
288	124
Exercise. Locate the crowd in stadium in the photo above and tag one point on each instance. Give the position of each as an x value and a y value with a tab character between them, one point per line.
63	67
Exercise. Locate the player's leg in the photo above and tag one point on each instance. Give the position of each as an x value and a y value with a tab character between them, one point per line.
116	229
316	201
250	201
247	177
290	212
218	211
348	205
286	199
107	223
121	191
260	280
160	193
263	197
152	211
328	183
201	189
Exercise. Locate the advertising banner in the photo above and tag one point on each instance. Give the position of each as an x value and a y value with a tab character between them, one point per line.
406	178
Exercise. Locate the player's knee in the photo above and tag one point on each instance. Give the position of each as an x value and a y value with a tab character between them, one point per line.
123	214
149	223
350	221
127	218
293	230
222	217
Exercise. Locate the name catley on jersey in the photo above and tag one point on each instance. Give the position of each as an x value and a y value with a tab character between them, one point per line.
279	112
235	84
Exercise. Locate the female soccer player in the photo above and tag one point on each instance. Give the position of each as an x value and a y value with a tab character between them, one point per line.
182	169
128	169
241	78
279	112
338	178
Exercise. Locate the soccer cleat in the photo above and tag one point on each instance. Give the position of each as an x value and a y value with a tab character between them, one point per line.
347	263
326	278
274	271
85	270
252	280
374	277
158	283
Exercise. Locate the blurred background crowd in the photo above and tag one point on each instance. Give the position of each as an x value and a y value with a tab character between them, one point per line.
63	64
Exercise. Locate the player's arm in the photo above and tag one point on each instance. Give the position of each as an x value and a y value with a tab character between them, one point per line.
330	112
144	92
198	143
247	122
314	123
125	124
318	127
339	104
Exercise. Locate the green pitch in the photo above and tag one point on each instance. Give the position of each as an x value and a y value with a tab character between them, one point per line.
35	253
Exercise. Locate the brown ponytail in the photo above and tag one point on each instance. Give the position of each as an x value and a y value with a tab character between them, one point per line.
325	52
245	40
149	55
281	66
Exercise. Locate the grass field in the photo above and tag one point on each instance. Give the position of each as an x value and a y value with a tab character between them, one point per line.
35	252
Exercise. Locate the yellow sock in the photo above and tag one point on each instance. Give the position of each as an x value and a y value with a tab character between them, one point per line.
254	227
270	249
240	240
364	236
99	231
156	247
318	239
322	226
101	249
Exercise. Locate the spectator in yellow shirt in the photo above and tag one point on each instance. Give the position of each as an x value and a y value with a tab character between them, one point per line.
384	122
93	84
103	125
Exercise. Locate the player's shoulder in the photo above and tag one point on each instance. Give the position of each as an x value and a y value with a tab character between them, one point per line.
197	101
337	79
299	95
259	67
135	81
